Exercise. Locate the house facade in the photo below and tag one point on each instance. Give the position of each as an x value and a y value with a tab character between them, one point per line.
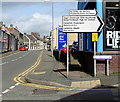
33	41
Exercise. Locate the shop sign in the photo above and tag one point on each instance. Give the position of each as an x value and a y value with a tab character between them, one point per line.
113	39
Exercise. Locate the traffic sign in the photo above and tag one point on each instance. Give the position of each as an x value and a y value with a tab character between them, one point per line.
94	37
83	12
62	39
82	24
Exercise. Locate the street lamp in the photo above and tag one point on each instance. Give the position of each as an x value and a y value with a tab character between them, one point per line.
52	28
52	24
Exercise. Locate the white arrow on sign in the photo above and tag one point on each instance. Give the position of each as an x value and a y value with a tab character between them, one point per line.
82	24
83	12
64	45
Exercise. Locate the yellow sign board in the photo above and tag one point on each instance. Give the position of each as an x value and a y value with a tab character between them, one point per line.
94	37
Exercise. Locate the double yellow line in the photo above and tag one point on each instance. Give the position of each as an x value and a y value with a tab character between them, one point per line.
19	77
19	80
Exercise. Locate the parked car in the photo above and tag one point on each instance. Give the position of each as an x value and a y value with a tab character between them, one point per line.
26	47
64	50
75	46
22	49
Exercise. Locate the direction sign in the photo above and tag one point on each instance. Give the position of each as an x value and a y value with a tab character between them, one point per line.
62	39
82	24
83	12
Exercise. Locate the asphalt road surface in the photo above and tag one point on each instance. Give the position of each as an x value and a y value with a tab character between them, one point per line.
16	64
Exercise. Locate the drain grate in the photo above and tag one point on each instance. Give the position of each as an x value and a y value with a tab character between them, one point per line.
43	91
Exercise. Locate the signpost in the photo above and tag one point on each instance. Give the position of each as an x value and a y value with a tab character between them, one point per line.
82	21
94	39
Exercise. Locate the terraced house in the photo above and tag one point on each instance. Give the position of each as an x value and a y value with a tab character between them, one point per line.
10	38
33	41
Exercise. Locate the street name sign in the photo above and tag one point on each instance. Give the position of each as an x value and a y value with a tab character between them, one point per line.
82	24
83	12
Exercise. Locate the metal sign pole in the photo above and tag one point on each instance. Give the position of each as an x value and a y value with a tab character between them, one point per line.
107	67
67	55
94	59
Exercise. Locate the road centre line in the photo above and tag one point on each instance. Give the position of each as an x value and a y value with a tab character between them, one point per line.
20	57
10	88
7	90
3	63
16	84
13	60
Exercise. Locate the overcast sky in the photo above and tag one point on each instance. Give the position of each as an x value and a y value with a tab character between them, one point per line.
35	16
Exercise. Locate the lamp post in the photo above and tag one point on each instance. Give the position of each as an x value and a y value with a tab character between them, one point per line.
52	24
52	28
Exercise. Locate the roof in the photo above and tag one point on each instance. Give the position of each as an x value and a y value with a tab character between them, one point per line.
37	36
31	37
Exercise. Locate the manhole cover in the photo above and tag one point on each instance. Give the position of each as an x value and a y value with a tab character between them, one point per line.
44	91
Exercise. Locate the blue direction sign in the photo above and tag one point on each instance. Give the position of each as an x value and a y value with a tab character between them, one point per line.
62	39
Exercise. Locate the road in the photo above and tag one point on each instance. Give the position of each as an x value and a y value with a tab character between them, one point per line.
18	63
15	64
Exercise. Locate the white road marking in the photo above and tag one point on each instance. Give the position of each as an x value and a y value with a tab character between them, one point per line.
14	59
11	87
20	57
4	63
16	84
23	55
0	95
5	91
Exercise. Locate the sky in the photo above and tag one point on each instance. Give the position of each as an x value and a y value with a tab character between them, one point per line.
35	16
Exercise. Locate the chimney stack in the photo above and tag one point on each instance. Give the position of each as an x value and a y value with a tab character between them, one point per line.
11	25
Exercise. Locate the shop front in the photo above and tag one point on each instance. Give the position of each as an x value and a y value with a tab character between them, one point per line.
108	40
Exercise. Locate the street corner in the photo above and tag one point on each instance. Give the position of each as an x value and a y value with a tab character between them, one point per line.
44	83
86	84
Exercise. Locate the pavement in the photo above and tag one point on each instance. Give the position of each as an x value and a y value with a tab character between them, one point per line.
51	72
